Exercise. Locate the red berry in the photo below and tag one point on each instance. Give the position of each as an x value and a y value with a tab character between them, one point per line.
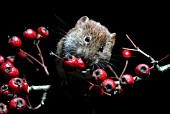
4	90
29	34
80	63
15	85
70	63
95	90
15	41
17	103
11	59
127	79
22	54
11	72
126	53
99	74
108	85
25	87
6	65
3	108
2	59
142	70
43	31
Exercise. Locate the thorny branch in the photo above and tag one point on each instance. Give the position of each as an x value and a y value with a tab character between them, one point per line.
153	61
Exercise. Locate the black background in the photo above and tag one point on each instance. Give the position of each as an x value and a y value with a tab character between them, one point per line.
147	25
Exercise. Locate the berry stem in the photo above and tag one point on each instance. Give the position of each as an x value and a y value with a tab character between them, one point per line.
39	50
113	71
130	49
131	41
164	57
45	68
126	63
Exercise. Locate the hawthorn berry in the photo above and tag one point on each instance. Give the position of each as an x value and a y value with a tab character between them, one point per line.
126	53
11	72
108	85
25	86
17	103
96	90
70	63
2	59
42	31
22	54
127	79
80	63
4	90
99	74
16	85
142	70
5	66
29	34
11	59
15	41
3	108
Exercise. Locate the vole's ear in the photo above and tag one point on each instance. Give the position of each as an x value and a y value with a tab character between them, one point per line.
82	22
113	35
113	38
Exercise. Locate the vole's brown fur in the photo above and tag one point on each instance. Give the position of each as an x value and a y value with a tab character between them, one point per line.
89	40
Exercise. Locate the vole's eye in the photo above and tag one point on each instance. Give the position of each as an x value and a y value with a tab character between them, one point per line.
87	39
101	49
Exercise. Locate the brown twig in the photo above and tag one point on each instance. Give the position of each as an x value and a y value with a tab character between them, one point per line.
117	77
36	60
164	57
153	61
126	63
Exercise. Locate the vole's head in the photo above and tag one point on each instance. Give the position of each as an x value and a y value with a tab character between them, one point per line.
89	40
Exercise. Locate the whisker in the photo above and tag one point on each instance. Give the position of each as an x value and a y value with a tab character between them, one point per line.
113	66
58	32
60	29
61	21
102	64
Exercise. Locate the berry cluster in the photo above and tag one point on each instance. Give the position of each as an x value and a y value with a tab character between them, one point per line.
15	84
101	83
